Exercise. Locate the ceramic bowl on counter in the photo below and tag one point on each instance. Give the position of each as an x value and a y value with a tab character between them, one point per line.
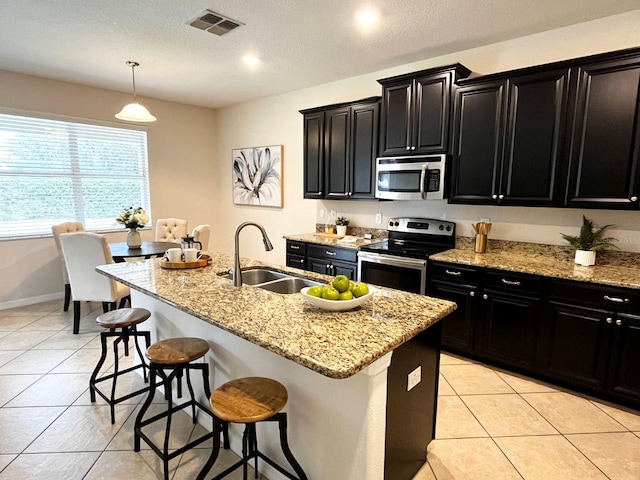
336	305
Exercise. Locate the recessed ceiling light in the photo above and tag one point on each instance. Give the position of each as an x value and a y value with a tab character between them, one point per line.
251	60
367	17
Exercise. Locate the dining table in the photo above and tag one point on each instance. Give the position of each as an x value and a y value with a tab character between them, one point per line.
120	251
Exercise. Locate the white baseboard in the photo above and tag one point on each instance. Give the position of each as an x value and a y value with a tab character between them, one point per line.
31	300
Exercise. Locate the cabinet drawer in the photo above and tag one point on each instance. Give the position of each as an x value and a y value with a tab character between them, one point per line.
609	298
332	253
513	282
296	261
296	248
453	273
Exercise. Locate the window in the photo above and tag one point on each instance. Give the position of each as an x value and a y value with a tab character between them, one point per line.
54	171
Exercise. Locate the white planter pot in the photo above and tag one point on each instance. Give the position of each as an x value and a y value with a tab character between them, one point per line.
341	229
585	257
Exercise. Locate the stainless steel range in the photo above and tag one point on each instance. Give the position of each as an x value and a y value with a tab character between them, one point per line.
401	261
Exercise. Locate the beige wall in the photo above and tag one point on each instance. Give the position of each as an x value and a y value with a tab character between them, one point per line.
276	120
181	170
203	139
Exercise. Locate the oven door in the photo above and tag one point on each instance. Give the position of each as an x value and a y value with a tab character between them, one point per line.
408	274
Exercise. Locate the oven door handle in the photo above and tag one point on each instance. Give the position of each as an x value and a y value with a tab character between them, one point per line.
392	261
423	176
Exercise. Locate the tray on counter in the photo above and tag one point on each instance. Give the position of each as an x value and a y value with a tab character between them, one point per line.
203	261
328	235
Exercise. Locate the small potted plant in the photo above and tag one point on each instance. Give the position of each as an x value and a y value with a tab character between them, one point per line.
341	226
590	241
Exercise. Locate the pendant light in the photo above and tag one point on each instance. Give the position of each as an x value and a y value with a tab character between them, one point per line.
134	112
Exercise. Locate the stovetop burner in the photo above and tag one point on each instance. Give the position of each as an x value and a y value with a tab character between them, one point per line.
415	238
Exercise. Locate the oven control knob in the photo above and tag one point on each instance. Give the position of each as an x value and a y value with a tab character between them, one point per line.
391	224
448	229
441	227
396	223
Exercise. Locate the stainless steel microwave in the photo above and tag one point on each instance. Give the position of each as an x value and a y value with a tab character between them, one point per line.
411	178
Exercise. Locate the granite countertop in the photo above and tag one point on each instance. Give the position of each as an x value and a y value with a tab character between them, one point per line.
334	344
620	269
332	241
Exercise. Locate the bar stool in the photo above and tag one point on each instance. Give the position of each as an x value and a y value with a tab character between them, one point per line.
174	356
122	325
250	400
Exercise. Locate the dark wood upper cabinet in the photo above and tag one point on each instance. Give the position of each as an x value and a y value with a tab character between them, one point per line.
416	110
508	136
340	148
313	144
606	138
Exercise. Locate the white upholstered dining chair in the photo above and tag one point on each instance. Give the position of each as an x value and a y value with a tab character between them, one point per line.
66	227
170	229
83	252
201	234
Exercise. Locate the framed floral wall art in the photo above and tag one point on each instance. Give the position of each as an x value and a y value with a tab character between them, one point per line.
257	176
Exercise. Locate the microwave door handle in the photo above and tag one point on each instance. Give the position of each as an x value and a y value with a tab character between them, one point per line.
423	175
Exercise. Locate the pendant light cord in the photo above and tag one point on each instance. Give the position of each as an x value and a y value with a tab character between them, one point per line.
133	66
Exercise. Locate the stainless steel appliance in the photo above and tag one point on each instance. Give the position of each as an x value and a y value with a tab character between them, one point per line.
411	178
400	262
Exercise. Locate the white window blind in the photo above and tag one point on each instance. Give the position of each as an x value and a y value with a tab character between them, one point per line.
54	171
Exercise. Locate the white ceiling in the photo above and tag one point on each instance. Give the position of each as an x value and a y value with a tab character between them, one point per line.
301	43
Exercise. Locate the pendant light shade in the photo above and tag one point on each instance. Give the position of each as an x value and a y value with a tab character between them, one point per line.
134	112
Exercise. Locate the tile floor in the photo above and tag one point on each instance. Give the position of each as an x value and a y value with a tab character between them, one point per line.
491	424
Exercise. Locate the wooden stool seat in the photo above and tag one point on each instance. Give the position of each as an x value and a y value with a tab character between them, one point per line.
247	400
250	400
124	317
174	351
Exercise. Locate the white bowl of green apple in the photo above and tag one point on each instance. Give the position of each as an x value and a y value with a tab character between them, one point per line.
338	295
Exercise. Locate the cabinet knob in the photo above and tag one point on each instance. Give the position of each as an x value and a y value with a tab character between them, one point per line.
485	297
413	147
349	193
472	293
495	197
609	320
634	199
500	197
618	322
408	148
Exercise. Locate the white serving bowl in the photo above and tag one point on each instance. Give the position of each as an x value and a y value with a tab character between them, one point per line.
336	305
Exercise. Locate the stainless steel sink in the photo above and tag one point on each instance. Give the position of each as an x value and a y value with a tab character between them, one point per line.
288	285
273	280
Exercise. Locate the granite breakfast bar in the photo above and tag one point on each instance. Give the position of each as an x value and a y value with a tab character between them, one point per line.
346	372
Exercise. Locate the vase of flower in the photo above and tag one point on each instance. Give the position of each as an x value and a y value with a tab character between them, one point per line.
134	240
133	219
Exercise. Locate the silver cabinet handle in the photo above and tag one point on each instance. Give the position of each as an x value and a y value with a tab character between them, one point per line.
472	293
294	247
485	297
500	197
495	197
408	147
609	320
413	147
615	299
634	199
618	322
301	261
515	283
453	272
331	254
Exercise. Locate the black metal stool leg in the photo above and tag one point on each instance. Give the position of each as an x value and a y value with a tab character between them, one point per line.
144	408
282	423
245	444
94	375
192	395
167	432
217	427
115	379
147	338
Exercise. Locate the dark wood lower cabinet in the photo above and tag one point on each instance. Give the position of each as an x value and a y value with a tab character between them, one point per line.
574	344
508	328
580	335
458	328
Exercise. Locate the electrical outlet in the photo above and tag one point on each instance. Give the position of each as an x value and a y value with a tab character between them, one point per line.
322	213
333	213
378	218
414	378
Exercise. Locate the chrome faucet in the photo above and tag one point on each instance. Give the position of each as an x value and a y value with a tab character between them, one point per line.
237	274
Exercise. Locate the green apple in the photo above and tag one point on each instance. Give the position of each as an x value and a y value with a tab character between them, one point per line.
346	295
330	293
352	285
360	289
315	291
341	283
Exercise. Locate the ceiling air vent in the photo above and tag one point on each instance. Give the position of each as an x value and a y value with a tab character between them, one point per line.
215	23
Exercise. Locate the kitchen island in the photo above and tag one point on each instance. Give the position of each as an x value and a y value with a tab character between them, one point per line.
346	372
